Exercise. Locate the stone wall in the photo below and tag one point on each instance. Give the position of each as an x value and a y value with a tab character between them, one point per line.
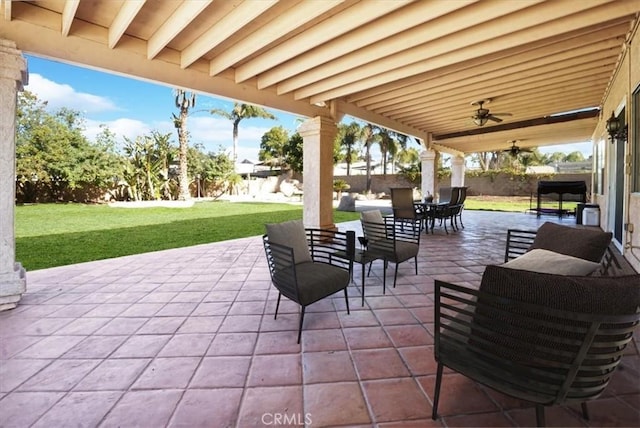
379	183
498	185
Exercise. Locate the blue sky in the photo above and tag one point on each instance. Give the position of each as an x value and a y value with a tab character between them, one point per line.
131	108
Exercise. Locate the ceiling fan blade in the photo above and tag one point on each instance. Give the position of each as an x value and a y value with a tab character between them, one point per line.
501	114
495	119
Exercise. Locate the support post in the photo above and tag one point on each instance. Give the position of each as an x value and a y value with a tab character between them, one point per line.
318	135
457	171
429	181
13	75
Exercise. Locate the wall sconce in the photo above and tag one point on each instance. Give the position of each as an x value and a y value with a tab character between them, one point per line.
615	129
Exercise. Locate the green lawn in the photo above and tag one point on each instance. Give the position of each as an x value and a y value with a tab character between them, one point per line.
510	203
49	235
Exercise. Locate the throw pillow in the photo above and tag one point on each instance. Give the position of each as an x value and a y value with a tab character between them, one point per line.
292	234
582	243
545	261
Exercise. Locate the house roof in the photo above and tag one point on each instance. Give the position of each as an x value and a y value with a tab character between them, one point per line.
411	66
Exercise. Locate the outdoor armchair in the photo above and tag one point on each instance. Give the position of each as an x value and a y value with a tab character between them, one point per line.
584	244
542	338
307	265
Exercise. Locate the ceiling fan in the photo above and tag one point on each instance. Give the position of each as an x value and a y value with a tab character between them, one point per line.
483	115
515	150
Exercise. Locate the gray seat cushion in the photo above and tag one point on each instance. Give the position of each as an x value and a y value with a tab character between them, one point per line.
318	280
585	244
403	250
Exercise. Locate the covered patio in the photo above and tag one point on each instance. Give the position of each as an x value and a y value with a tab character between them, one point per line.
186	337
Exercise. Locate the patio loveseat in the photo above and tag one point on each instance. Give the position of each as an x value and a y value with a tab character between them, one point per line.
559	249
543	327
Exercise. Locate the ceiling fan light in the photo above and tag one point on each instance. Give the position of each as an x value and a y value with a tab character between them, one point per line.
480	121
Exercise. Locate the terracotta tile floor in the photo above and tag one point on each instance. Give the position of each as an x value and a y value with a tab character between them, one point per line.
186	338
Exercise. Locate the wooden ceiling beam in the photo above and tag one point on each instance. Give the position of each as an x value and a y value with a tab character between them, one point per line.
240	16
123	19
361	13
279	27
461	101
557	104
486	64
440	36
421	18
357	82
68	13
551	105
6	8
177	22
534	67
464	95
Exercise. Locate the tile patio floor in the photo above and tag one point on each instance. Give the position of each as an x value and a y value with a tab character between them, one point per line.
186	338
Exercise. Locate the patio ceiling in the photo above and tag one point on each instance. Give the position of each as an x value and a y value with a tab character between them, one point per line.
412	66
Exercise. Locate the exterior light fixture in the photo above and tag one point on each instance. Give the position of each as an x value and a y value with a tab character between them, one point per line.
615	128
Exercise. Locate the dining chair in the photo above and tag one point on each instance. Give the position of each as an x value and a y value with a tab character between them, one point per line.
404	206
393	241
307	265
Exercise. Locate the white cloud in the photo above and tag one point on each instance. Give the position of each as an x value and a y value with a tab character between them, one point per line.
61	95
210	132
123	127
213	132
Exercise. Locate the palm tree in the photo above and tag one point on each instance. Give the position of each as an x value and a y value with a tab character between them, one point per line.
370	134
348	135
184	102
239	112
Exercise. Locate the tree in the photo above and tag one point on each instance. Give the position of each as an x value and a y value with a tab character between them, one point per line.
390	143
214	169
183	102
273	147
293	152
54	159
574	157
239	112
348	136
370	135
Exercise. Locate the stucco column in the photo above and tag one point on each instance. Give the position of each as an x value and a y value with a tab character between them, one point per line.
429	172
318	135
457	171
13	74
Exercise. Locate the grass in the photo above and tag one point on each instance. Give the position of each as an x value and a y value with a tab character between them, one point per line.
51	235
510	204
